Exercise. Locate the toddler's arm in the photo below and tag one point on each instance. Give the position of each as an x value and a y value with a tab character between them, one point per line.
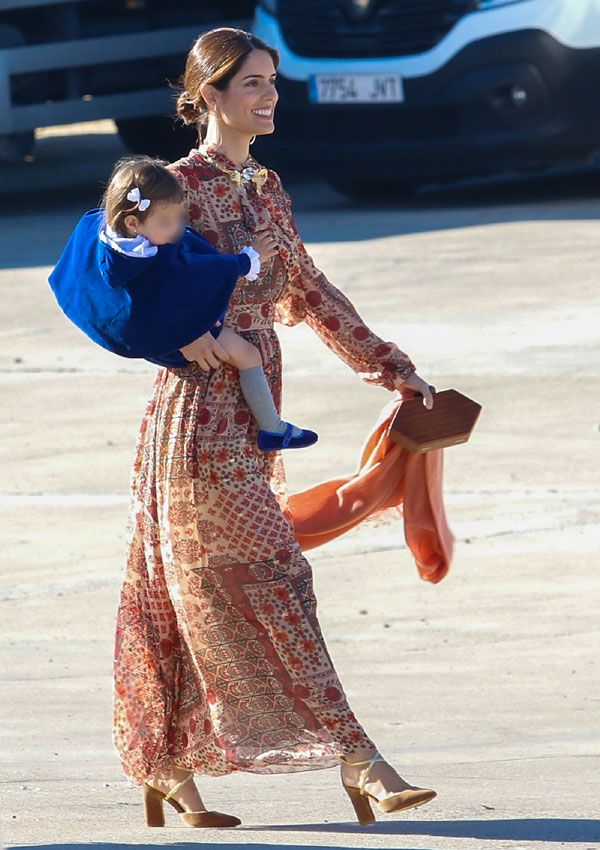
263	248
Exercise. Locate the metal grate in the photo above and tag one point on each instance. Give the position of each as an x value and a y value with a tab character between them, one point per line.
355	29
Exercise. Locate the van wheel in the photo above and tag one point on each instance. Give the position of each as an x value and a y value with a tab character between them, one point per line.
157	135
374	190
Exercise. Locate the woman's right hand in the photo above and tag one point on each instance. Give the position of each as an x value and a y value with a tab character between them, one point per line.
265	244
205	351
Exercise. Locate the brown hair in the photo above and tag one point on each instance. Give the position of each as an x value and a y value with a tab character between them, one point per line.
153	180
216	57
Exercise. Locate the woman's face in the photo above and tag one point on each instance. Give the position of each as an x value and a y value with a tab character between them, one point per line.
248	103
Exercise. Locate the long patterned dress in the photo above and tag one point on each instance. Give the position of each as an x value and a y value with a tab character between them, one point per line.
220	663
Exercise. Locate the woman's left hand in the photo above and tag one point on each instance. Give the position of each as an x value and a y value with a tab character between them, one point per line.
414	382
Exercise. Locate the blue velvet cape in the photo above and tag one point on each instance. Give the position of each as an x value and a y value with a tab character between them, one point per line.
147	307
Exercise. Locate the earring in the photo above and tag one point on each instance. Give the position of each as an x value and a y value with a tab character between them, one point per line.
252	140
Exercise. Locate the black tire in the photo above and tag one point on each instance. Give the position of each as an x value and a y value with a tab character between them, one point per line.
157	135
387	191
163	137
268	153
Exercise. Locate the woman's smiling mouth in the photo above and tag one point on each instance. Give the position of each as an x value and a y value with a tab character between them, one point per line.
263	113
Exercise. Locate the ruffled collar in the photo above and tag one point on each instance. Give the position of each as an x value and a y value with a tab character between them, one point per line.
131	246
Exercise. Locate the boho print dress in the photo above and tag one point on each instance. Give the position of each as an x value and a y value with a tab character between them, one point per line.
219	660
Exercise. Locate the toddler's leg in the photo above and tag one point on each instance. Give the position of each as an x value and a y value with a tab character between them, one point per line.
242	354
255	388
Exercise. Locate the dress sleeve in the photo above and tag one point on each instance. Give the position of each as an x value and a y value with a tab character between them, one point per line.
310	297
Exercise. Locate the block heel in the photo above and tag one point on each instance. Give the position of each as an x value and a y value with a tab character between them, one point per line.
154	801
362	807
409	798
153	806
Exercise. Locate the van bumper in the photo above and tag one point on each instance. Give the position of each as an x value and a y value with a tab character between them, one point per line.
459	121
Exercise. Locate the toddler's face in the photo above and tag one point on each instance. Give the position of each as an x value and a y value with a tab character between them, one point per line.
165	223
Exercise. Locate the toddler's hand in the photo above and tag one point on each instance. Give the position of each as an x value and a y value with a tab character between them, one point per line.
265	244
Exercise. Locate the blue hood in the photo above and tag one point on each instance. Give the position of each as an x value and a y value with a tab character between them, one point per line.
143	306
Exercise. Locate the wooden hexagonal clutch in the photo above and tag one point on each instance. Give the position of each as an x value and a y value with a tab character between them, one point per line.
449	422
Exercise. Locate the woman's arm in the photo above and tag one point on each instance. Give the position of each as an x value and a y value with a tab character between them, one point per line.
310	297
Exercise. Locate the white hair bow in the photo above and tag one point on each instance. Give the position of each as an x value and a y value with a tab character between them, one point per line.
136	196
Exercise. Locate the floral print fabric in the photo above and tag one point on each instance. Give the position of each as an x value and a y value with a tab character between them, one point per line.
220	663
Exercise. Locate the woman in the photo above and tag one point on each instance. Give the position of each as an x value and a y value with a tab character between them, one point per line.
220	664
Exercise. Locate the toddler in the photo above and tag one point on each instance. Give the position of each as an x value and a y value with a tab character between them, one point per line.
141	283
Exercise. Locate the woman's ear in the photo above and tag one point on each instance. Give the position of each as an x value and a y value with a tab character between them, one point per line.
131	224
210	95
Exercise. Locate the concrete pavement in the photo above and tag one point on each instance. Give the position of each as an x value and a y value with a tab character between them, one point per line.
485	686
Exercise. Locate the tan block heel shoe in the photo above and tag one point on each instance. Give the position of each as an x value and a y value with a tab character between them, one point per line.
409	798
155	815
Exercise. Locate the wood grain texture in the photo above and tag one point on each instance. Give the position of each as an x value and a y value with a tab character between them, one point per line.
450	421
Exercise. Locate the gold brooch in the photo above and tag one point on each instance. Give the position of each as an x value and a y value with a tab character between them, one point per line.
249	174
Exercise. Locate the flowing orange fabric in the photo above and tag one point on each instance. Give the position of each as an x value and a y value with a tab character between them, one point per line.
388	476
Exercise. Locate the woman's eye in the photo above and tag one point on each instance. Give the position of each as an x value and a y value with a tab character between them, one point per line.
255	82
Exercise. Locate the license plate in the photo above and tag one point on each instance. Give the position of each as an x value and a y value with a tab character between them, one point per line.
356	88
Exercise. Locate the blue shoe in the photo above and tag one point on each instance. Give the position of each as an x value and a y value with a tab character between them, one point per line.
270	441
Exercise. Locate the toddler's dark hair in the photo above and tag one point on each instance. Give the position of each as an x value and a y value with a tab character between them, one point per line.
150	176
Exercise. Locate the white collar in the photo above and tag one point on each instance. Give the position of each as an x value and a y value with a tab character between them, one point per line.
134	246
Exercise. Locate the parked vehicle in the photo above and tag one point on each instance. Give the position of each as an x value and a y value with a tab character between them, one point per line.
80	60
382	93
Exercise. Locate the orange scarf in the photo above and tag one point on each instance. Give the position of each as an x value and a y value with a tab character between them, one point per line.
388	476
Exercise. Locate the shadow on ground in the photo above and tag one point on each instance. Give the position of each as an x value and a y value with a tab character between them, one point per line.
560	830
70	174
513	829
205	846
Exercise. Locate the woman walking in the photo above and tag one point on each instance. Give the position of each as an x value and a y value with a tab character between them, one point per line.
220	663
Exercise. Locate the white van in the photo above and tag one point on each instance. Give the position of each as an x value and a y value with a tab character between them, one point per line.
381	93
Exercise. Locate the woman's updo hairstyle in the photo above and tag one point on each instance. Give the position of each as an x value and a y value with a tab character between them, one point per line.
216	57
